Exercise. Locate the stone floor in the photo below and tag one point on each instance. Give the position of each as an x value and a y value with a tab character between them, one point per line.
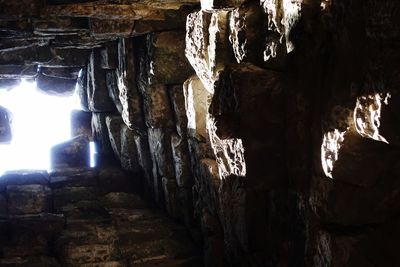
84	218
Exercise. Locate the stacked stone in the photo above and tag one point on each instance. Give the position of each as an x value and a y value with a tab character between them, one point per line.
26	201
133	89
315	115
84	217
235	107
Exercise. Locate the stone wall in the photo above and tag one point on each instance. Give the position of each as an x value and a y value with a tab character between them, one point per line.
268	128
297	101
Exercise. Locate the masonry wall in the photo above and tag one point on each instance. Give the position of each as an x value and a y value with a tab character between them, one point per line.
268	128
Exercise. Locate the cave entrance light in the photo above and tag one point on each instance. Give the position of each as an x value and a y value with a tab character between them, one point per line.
39	121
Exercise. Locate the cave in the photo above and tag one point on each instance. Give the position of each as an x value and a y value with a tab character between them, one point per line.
238	133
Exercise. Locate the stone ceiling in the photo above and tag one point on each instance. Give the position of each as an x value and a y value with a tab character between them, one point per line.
58	35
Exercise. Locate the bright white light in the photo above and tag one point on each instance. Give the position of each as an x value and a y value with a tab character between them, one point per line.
93	152
39	121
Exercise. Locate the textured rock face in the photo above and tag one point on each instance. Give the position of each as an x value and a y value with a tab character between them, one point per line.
281	150
85	217
299	116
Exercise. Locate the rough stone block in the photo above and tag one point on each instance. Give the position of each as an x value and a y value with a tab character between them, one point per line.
113	179
129	152
164	60
109	55
73	153
146	163
82	91
171	197
248	31
24	177
207	44
81	123
61	25
64	57
114	125
56	86
113	91
98	98
182	164
160	147
28	199
18	71
160	150
128	93
46	56
111	28
157	107
73	177
71	195
208	181
363	180
197	102
280	25
100	133
177	98
253	88
67	73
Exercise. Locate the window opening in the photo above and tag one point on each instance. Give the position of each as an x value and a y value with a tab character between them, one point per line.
38	122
